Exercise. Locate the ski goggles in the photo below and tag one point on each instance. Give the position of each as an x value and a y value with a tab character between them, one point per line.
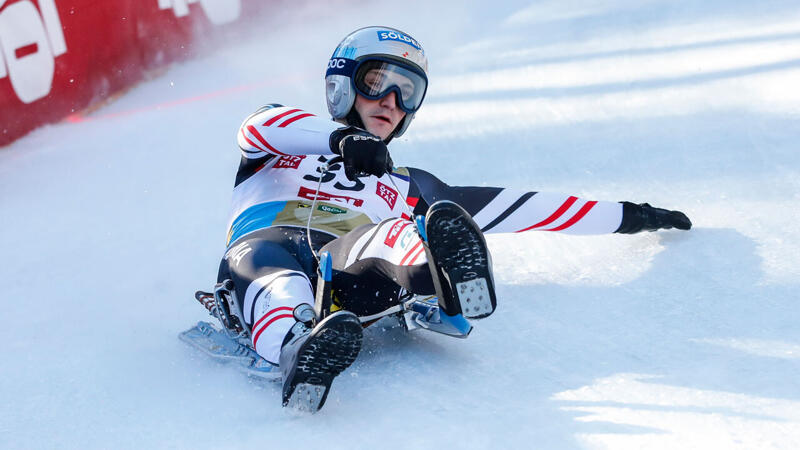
376	78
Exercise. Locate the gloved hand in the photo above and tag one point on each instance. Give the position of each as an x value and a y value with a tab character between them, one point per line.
643	217
363	153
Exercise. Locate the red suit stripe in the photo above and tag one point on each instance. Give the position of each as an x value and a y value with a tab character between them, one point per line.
271	313
244	135
261	139
410	252
553	217
412	202
294	119
411	261
279	116
578	216
282	316
282	308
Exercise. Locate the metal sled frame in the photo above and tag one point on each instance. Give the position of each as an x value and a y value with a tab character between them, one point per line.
218	344
223	305
231	346
412	312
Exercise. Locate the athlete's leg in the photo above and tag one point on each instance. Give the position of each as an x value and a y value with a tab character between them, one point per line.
374	262
271	273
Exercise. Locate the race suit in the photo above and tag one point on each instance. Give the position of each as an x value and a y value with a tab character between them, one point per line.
364	224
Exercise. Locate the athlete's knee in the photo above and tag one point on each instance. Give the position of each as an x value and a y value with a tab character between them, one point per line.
394	241
343	250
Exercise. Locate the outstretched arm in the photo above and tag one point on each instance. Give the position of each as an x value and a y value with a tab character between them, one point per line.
499	210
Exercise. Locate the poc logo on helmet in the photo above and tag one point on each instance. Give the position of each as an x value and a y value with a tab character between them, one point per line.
336	63
400	37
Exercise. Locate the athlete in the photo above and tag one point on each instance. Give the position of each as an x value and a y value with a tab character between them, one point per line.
338	175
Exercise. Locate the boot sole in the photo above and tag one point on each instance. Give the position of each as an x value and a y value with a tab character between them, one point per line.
333	348
458	255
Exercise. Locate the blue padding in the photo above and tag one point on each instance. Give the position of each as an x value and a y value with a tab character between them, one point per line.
325	266
420	221
255	218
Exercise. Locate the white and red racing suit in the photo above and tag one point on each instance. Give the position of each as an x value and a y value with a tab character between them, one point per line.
363	223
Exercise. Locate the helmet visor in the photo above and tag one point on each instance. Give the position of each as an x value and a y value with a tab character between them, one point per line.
375	79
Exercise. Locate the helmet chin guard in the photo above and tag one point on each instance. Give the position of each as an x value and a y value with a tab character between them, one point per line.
383	43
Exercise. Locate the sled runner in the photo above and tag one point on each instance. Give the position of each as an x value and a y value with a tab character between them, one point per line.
231	345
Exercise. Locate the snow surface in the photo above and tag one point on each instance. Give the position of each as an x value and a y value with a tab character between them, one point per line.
657	340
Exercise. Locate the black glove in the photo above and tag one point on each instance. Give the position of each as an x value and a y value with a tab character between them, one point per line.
363	153
643	217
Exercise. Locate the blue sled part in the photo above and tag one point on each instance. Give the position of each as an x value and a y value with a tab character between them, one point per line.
428	315
229	350
325	266
420	222
457	323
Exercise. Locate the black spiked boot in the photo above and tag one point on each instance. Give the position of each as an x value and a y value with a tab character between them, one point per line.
312	357
459	261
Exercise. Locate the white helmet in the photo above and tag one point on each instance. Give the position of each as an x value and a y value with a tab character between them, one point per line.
394	61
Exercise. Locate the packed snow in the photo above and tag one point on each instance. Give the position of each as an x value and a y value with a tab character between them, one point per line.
110	222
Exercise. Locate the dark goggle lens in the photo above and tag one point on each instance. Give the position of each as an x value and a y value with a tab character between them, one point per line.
375	79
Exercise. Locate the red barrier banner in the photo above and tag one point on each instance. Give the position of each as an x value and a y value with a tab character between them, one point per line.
58	57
